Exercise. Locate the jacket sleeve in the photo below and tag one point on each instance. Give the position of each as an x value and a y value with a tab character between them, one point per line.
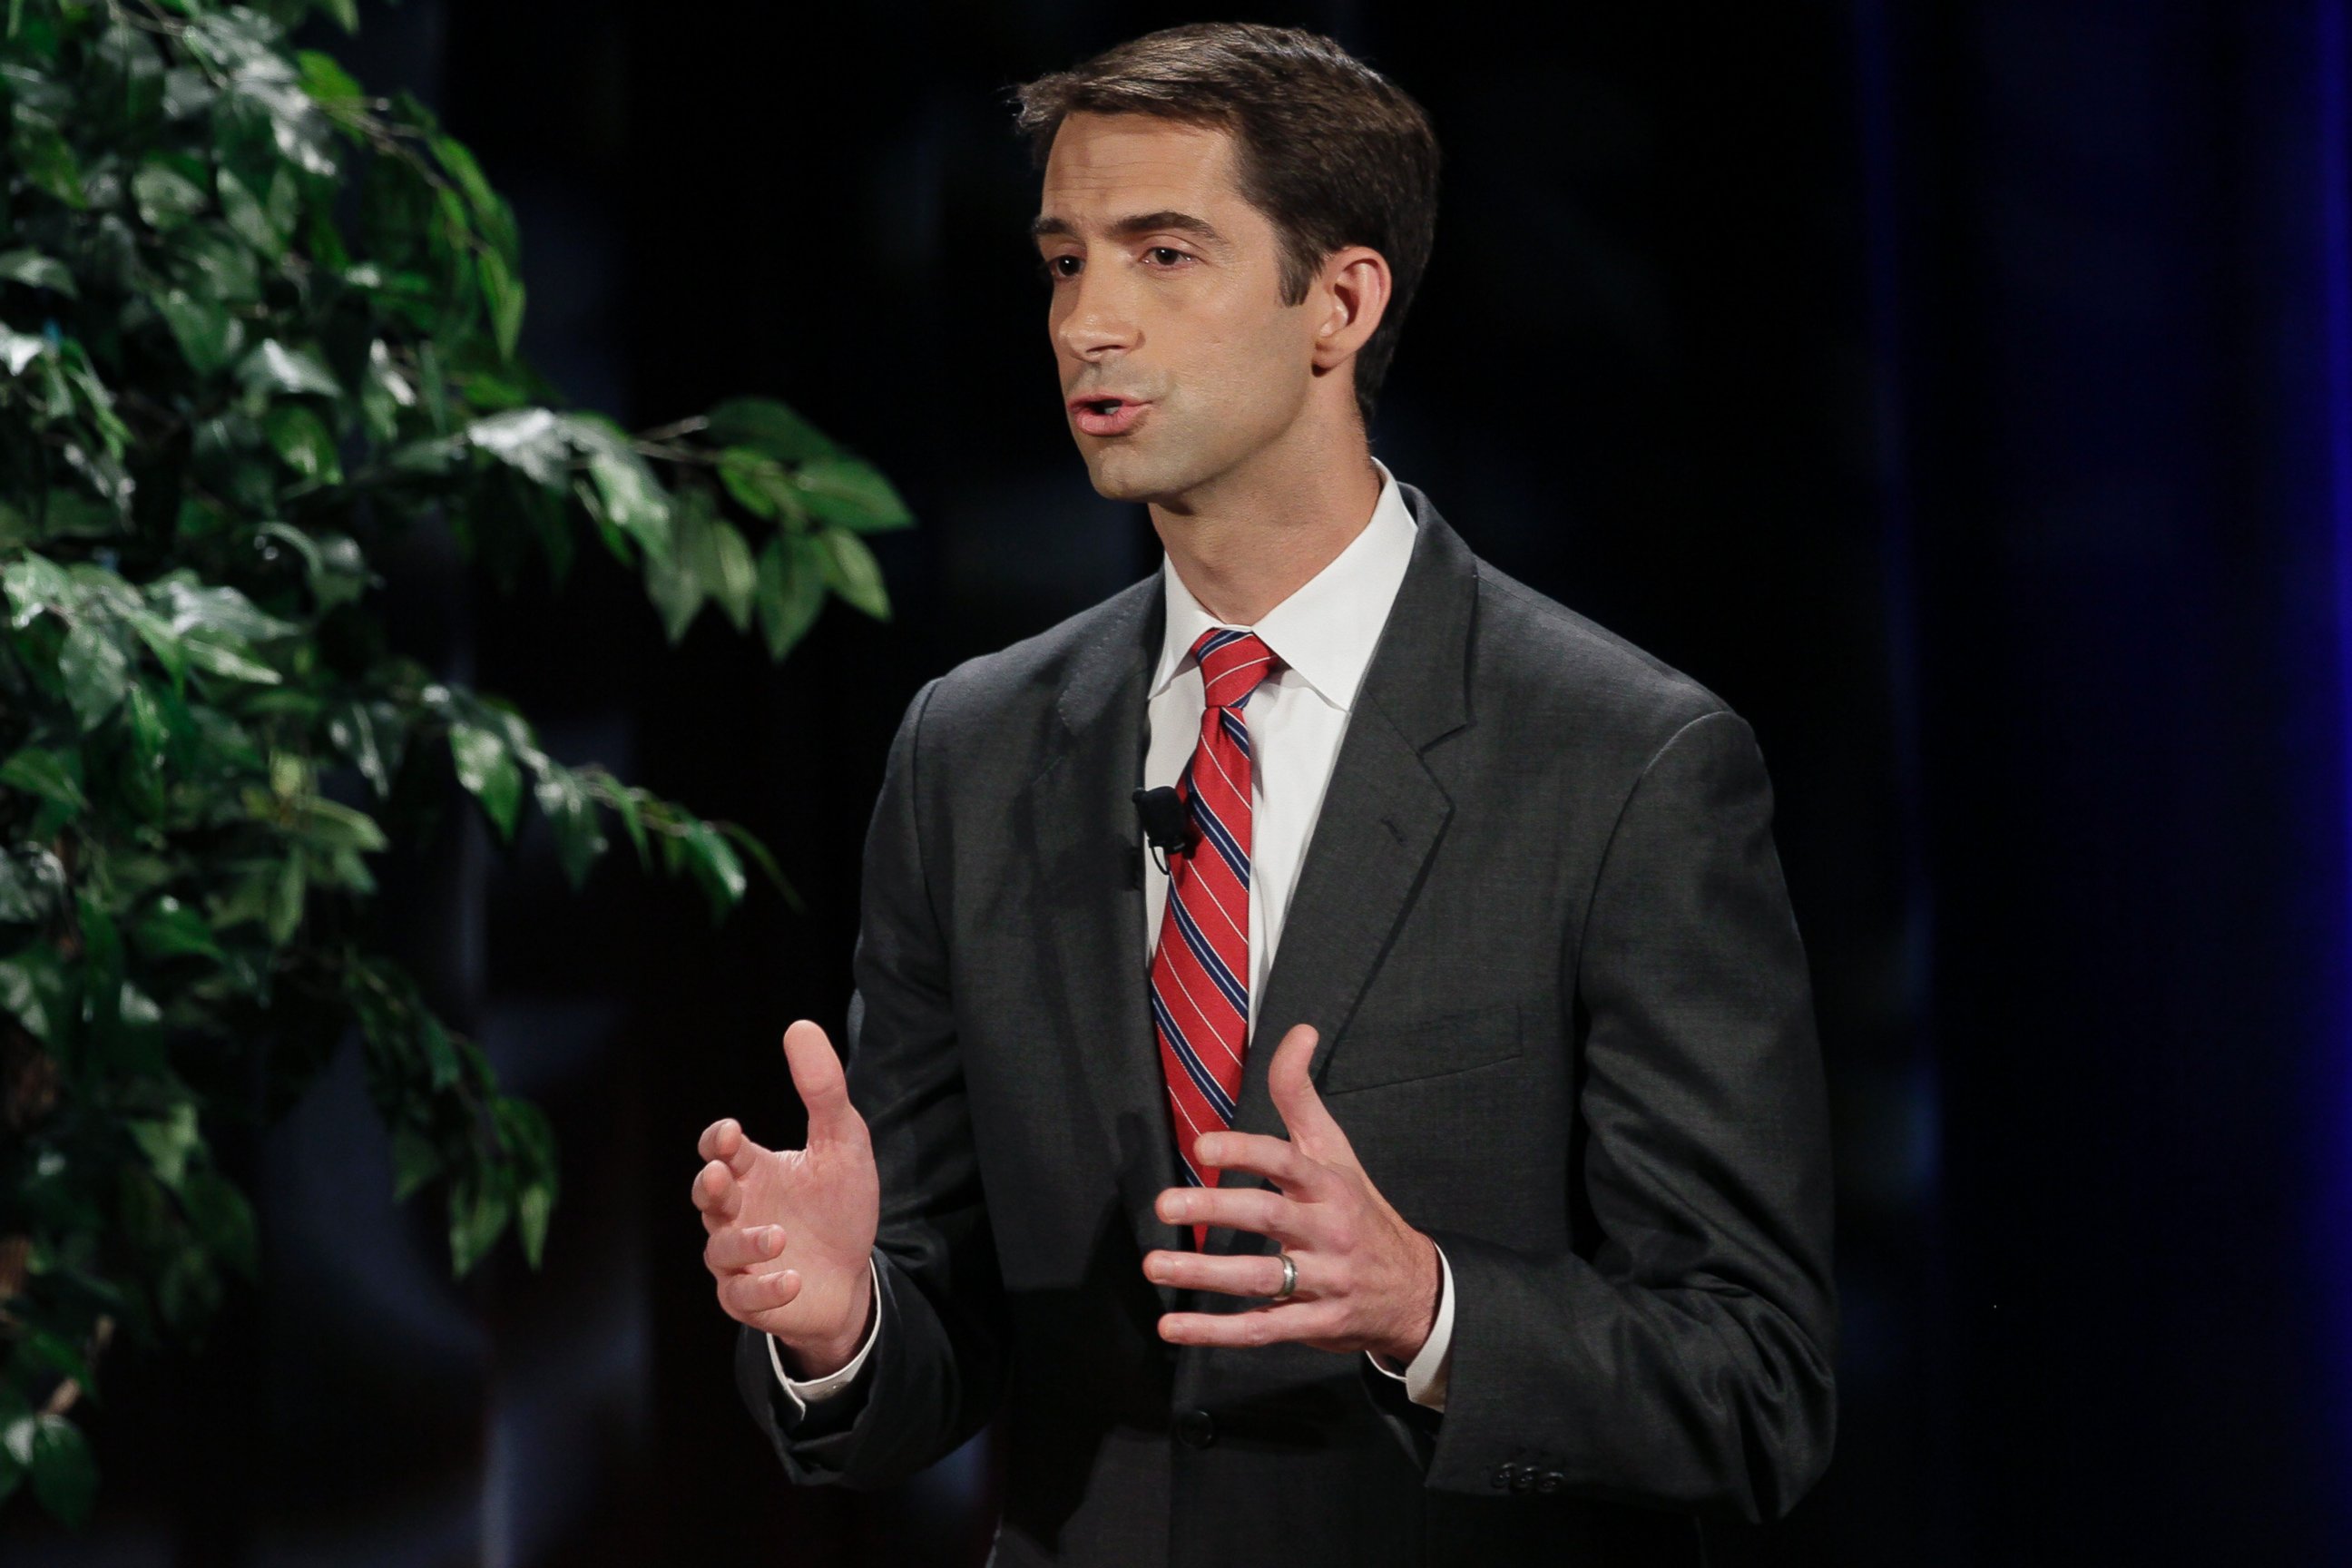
1685	1358
938	1361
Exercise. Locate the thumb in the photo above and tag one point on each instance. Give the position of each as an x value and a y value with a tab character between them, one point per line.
817	1075
1310	1125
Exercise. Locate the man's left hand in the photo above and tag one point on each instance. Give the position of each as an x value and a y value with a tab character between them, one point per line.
1367	1280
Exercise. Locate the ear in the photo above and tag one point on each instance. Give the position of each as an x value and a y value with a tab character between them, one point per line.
1352	291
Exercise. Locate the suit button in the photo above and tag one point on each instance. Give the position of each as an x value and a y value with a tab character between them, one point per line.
1550	1481
1522	1476
1195	1430
1499	1477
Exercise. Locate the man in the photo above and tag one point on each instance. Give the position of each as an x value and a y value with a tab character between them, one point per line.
1515	1247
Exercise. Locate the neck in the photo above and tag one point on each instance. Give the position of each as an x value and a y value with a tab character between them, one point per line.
1254	535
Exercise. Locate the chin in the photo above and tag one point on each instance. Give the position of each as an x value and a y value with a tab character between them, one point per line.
1126	474
1122	489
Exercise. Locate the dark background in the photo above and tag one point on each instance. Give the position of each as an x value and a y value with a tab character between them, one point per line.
1963	391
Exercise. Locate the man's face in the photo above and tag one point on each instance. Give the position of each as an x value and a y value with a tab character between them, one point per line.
1166	293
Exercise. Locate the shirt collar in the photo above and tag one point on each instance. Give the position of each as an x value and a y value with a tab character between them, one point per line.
1326	629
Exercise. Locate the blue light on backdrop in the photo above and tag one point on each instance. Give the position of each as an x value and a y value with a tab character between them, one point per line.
2333	203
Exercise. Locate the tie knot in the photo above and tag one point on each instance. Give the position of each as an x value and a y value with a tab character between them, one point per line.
1231	664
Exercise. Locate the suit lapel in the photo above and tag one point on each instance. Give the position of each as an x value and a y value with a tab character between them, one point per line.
1383	814
1083	823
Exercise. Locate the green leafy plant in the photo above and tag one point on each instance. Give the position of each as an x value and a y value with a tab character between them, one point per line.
256	325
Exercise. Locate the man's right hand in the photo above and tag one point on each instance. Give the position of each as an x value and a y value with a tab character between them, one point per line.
791	1231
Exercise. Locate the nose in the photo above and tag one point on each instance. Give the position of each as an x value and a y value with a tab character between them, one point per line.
1097	317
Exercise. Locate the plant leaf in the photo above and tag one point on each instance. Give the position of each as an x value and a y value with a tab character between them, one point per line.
172	929
321	75
532	441
353	730
65	1476
95	671
769	427
219	653
19	349
34	583
286	894
525	1131
758	482
41	154
624	802
71	514
632	498
713	863
51	776
675	581
853	574
39	271
300	437
41	1348
791	590
168	1142
740	835
502	292
384	392
851	493
478	1211
727	568
194	607
223	1219
208	336
462	167
487	768
166	194
272	367
263	219
331	824
572	814
440	1052
415	1163
32	885
33	989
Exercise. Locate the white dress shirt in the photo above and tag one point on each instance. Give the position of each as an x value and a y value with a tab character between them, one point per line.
1323	636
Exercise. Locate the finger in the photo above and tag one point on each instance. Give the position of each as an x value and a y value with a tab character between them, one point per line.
724	1139
717	1194
817	1074
737	1248
1245	1275
1295	1099
747	1295
1239	1209
1258	1326
1276	1159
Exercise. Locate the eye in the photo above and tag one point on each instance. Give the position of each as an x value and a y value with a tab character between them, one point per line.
1050	267
1169	250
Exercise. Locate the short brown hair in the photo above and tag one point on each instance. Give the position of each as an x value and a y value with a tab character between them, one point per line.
1329	150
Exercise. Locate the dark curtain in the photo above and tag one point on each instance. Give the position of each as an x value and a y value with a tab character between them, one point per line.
1963	391
2109	257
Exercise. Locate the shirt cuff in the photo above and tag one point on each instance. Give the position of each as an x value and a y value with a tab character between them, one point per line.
1424	1378
805	1393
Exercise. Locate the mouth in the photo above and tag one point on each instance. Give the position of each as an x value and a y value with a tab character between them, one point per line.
1106	415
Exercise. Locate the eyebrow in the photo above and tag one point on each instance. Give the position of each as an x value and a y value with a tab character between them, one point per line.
1129	227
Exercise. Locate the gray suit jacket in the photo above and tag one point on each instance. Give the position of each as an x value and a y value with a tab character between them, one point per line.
1564	1021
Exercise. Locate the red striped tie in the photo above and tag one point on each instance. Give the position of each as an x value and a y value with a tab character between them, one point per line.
1201	968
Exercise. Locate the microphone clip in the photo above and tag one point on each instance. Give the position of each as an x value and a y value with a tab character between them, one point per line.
1165	822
